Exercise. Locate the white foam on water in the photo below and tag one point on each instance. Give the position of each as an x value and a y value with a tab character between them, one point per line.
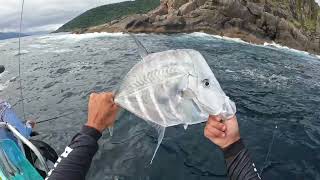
202	34
2	44
265	45
230	71
3	74
273	44
38	46
5	85
255	73
238	40
62	50
21	52
84	36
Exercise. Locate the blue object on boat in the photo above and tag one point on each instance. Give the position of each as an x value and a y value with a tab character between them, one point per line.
8	115
13	164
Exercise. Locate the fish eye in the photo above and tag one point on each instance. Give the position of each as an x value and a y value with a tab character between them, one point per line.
206	83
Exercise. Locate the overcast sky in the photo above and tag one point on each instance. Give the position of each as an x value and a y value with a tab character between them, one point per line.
44	15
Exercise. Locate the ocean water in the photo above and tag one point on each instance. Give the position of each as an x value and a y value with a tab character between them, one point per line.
271	86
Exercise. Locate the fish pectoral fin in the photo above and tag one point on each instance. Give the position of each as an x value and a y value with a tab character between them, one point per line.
188	94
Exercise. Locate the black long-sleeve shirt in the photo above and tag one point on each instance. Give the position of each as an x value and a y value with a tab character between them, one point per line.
239	164
75	162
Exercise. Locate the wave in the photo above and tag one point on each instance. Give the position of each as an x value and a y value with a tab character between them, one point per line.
202	34
3	73
39	46
62	51
266	44
278	46
259	76
82	36
22	52
5	85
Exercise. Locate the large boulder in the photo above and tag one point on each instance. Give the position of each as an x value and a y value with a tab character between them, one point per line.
173	5
159	11
255	9
172	24
268	23
188	7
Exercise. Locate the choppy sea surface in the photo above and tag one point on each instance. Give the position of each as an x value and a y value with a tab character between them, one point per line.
271	86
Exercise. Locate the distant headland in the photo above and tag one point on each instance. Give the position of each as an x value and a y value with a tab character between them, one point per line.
293	23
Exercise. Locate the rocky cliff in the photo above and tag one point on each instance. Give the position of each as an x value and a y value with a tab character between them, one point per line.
293	23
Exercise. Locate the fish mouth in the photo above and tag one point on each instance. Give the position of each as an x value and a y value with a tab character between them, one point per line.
204	108
226	111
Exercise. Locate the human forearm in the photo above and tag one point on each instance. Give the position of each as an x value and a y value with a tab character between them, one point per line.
239	163
226	135
75	162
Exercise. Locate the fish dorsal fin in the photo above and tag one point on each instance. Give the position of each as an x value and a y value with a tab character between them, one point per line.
143	52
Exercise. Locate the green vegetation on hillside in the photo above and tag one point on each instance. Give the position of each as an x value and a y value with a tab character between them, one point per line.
306	13
107	13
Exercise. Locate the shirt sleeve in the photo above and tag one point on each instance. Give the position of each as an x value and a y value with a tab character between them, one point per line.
11	117
239	164
75	161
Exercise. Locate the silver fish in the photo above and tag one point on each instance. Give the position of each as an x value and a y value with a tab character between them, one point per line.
173	87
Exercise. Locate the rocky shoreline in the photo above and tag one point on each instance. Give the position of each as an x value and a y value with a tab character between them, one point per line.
291	23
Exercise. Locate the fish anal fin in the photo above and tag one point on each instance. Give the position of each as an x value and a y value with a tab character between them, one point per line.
185	126
161	130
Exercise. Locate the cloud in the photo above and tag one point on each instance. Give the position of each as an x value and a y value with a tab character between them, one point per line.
43	15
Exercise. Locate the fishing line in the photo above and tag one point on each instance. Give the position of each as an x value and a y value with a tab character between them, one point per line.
20	78
19	60
54	118
269	149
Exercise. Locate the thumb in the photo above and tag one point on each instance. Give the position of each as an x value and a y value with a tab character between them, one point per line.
215	118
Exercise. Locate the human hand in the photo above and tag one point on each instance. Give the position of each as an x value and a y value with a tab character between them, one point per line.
102	111
222	134
31	122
